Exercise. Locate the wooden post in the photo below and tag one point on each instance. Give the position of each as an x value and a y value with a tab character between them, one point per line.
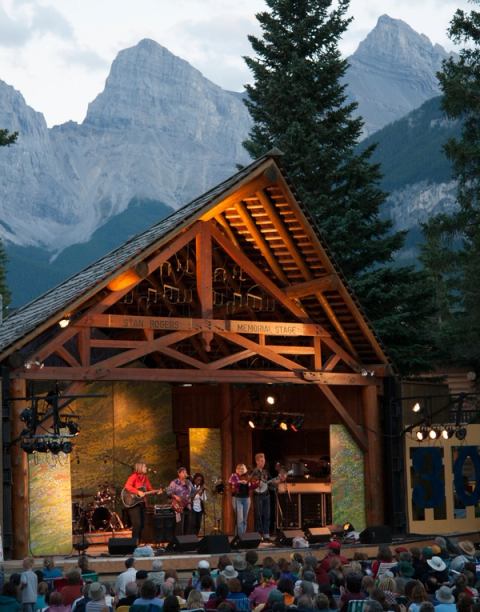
227	467
19	460
374	477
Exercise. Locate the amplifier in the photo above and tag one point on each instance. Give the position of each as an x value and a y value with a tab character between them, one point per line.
162	510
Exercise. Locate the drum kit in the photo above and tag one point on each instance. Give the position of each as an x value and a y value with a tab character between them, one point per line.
98	514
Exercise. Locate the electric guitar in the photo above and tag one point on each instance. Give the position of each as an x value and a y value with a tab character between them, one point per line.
129	499
179	505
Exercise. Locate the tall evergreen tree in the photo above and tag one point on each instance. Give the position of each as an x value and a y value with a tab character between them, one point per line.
6	138
452	250
299	104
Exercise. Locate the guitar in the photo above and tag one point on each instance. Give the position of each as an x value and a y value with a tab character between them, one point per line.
179	505
129	499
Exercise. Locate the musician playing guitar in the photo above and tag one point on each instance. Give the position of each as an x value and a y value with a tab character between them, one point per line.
138	484
181	491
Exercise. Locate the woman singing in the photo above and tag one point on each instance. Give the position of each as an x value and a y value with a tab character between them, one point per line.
138	483
199	499
241	485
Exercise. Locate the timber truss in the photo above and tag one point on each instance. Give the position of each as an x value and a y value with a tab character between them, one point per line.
199	310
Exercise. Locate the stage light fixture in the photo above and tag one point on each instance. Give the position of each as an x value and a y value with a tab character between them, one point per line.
41	446
66	447
270	399
251	423
283	425
28	446
65	322
348	527
26	415
73	428
433	433
416	407
447	432
54	446
422	433
461	433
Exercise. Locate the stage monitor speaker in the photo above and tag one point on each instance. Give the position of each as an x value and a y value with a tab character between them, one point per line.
214	545
378	534
317	535
121	546
250	539
184	543
286	536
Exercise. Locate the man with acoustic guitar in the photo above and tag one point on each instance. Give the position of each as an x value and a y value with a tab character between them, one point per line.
181	491
136	487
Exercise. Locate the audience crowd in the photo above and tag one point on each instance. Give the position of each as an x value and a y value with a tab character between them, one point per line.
432	579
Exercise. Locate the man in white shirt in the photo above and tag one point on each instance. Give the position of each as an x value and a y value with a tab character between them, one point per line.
28	583
125	577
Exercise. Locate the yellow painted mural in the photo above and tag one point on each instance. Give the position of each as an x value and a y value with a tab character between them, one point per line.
50	516
205	457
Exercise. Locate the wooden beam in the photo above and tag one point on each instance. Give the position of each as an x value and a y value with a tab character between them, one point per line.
67	357
289	350
262	244
258	276
239	194
83	340
116	344
311	287
342	412
19	462
317	360
205	278
176	245
229	360
374	474
284	234
226	227
263	351
174	354
171	375
331	362
267	328
226	433
348	378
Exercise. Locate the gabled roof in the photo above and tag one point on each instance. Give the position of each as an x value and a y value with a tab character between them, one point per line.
275	191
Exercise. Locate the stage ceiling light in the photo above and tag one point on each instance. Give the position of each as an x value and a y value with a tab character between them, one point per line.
54	446
66	447
461	433
447	432
270	399
283	425
28	446
422	433
348	527
416	407
65	322
26	415
433	433
73	428
251	423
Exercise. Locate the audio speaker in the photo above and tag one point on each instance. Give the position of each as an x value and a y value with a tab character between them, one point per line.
316	535
250	539
378	534
184	543
286	536
214	545
121	546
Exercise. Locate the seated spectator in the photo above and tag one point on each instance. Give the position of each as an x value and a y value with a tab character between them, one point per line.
285	586
427	606
83	565
303	587
42	590
305	602
464	603
368	583
9	598
246	576
275	599
352	592
404	573
327	590
309	576
468	549
97	603
148	595
171	604
418	596
322	603
49	570
371	605
131	594
140	578
260	592
235	594
334	550
335	573
73	589
80	603
438	569
223	561
221	594
195	601
387	585
207	588
157	575
445	600
56	603
203	569
384	555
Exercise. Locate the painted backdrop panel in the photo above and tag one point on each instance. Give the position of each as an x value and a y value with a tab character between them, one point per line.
348	479
50	504
205	457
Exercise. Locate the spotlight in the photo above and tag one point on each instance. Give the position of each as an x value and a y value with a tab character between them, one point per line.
66	447
73	428
347	527
26	415
41	446
283	425
416	407
447	432
270	399
28	446
422	433
461	433
65	322
433	433
251	423
54	446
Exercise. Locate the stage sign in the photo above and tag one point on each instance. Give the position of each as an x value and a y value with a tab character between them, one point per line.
443	483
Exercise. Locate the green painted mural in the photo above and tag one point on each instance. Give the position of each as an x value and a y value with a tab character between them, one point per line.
132	422
50	504
205	457
348	479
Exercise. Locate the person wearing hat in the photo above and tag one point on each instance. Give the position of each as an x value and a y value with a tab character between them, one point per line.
203	569
97	602
405	572
468	549
445	600
333	552
245	575
181	492
260	592
438	569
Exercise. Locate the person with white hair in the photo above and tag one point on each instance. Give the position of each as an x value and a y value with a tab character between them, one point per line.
97	602
157	575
